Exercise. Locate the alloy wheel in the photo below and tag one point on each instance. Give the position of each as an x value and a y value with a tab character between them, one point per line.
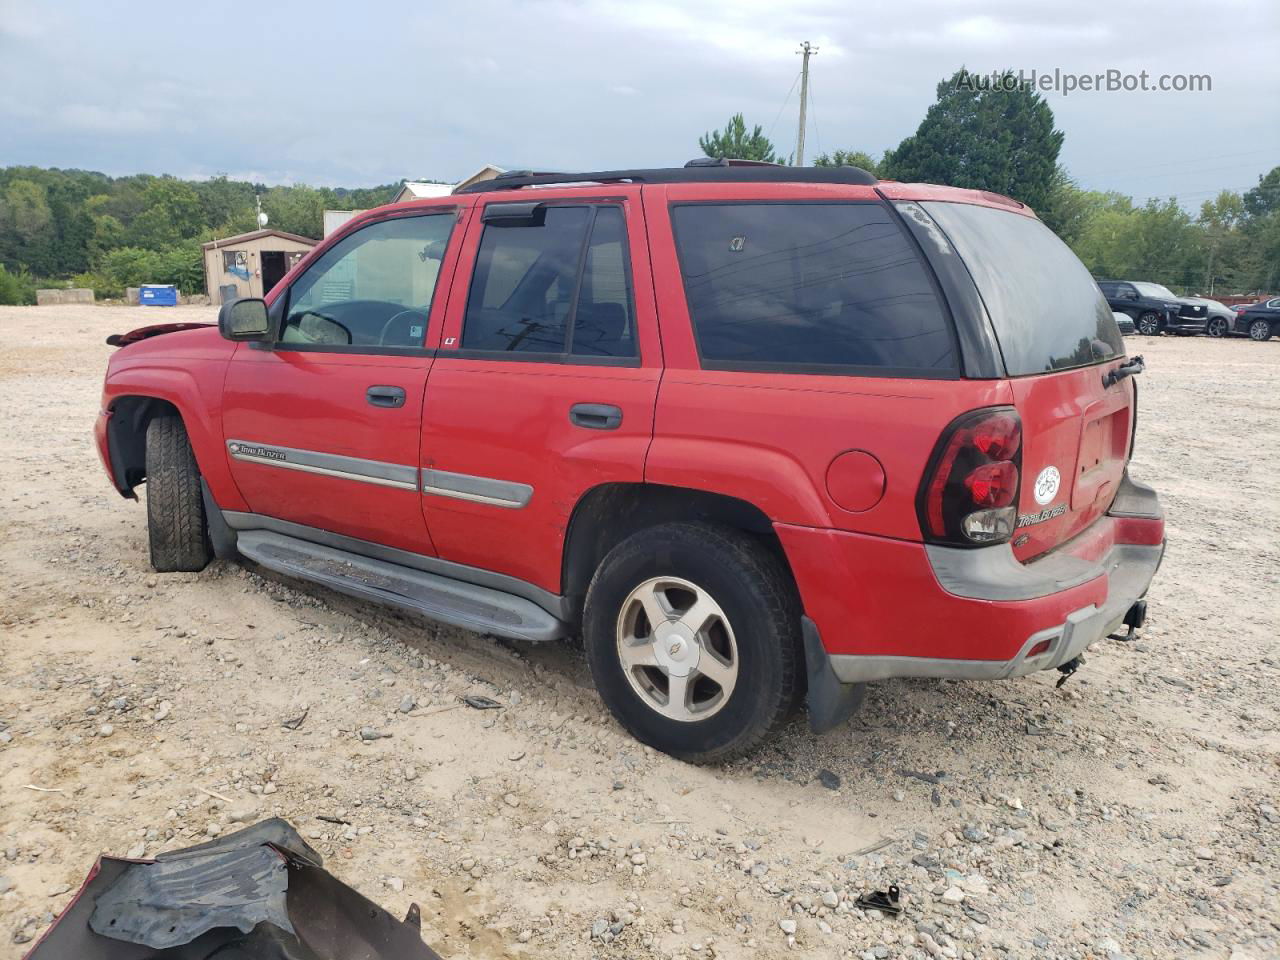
1149	324
1259	330
1217	327
677	649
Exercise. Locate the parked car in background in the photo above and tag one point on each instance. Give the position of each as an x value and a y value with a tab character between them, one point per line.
1155	308
1220	319
1124	322
1260	321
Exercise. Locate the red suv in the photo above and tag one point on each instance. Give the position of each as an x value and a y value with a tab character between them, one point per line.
754	432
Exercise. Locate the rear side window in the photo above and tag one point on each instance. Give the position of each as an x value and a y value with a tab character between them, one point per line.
561	287
1047	311
823	287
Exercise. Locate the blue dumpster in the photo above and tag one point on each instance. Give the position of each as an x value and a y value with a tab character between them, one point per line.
158	295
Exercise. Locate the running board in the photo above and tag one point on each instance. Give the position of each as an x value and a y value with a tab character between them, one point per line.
458	604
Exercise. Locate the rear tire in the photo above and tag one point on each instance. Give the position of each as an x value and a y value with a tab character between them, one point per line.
740	644
1260	330
1217	327
1149	324
176	523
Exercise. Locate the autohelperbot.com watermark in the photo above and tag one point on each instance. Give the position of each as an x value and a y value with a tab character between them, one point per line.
1066	82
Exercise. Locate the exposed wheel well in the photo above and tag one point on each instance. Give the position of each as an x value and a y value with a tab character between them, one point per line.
127	438
610	513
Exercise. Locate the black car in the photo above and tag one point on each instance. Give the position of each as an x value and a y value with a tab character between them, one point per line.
1261	320
1155	308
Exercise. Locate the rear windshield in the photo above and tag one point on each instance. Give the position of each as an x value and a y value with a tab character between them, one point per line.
810	287
1047	311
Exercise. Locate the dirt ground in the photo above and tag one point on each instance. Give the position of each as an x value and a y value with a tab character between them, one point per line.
1132	813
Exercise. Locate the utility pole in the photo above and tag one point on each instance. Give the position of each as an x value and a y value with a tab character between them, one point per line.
806	49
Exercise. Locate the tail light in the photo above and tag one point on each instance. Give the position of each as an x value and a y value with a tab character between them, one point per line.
970	491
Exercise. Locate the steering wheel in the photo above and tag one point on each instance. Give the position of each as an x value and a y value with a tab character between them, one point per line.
386	327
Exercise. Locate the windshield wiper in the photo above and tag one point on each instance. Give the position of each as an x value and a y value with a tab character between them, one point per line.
1135	365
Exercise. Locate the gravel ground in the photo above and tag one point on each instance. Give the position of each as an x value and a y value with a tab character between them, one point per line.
1133	813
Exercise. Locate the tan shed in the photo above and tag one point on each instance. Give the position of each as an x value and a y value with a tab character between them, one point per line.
251	264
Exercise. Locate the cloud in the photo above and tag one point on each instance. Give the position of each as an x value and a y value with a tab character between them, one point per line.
84	117
602	84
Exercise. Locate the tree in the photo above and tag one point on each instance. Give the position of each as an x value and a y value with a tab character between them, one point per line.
1221	240
172	213
987	135
848	158
298	209
1265	197
225	202
734	143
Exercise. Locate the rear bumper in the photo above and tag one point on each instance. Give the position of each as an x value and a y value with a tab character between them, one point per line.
887	608
1129	571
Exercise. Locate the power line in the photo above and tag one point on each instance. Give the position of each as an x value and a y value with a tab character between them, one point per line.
783	107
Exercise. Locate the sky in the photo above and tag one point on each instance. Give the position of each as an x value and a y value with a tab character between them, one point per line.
360	94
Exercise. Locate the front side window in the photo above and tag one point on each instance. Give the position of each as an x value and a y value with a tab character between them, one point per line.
559	286
371	289
820	285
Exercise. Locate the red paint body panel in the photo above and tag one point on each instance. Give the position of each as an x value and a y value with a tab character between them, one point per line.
769	439
1070	421
316	401
185	368
509	420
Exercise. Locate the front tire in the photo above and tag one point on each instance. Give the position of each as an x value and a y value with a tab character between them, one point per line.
176	524
1149	324
692	633
1260	330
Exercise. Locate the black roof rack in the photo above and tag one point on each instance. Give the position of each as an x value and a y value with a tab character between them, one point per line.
700	170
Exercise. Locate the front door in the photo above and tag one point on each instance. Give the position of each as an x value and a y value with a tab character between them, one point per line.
545	383
323	429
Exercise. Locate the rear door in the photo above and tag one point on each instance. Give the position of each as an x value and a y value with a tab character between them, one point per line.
1058	339
322	429
545	382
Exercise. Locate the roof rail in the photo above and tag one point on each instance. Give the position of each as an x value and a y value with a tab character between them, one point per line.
702	170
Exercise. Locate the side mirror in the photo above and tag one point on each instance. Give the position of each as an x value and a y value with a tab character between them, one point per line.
245	319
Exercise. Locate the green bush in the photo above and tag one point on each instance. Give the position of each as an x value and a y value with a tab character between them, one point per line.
103	288
16	289
181	264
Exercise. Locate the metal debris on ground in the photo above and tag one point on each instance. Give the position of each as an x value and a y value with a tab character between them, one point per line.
885	901
477	702
293	723
259	892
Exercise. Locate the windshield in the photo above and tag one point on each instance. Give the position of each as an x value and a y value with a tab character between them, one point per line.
1047	311
1155	290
